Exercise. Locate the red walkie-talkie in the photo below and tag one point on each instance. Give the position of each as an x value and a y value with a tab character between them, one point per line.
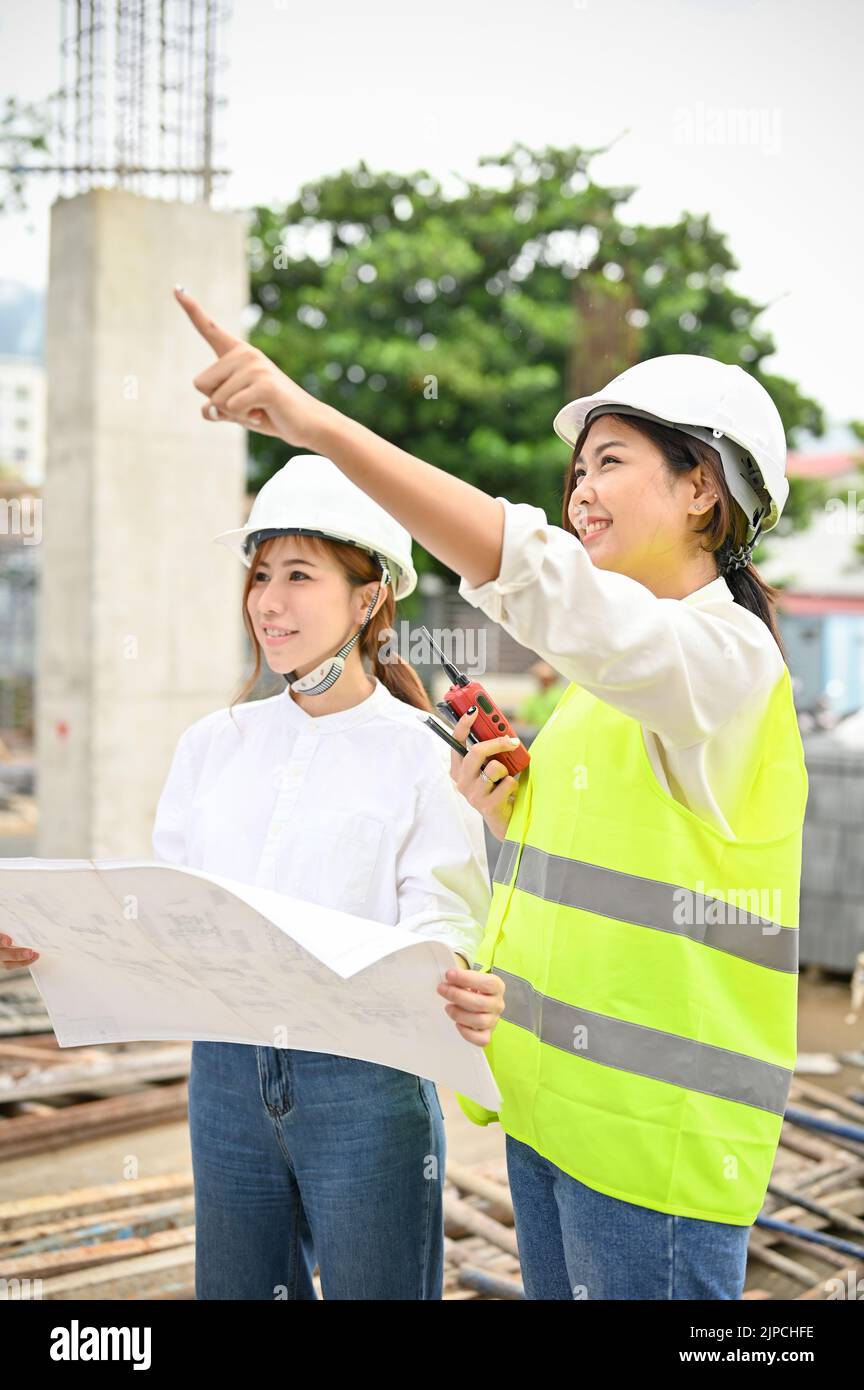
490	721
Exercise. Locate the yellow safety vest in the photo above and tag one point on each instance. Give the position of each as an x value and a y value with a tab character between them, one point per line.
651	966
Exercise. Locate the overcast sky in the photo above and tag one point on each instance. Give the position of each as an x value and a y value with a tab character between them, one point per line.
314	87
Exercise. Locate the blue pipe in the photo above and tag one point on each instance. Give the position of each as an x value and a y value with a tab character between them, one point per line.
847	1247
846	1131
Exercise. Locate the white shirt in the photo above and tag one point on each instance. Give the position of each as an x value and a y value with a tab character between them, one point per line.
354	810
696	672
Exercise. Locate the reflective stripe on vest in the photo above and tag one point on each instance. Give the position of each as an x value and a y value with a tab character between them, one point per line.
630	898
645	1051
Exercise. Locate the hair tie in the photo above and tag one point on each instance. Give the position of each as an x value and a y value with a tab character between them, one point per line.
738	559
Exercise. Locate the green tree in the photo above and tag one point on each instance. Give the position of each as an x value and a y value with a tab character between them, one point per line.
457	323
23	130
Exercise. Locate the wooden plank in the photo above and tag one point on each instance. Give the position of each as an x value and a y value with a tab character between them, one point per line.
76	1229
118	1069
830	1099
830	1211
828	1287
46	1040
480	1224
851	1172
851	1200
26	1134
845	1167
758	1249
81	1201
490	1285
136	1278
810	1247
20	1014
495	1170
18	1051
498	1197
44	1264
806	1144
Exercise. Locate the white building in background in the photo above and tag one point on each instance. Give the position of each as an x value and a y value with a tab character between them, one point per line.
22	418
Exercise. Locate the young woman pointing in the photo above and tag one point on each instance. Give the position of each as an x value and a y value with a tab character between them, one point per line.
645	907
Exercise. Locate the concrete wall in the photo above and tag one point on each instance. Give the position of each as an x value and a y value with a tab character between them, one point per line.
139	627
832	877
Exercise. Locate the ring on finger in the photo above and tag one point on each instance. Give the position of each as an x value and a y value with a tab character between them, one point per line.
486	778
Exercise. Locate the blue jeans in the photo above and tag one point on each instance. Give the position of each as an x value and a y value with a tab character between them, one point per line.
578	1243
301	1158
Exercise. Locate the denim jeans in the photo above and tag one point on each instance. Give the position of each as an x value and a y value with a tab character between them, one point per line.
575	1242
305	1157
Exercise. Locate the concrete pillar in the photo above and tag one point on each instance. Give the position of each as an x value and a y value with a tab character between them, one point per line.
139	614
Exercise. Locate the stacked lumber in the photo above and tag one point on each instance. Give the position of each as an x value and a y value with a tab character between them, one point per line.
136	1240
808	1241
124	1240
21	1006
51	1097
481	1259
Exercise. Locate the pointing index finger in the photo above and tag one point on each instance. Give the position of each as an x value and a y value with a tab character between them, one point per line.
219	338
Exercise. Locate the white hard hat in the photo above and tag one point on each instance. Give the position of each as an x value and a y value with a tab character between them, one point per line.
309	495
718	403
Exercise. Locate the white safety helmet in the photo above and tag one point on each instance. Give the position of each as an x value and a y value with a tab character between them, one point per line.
309	495
720	404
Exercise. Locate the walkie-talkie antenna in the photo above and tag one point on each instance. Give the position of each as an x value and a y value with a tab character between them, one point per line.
453	672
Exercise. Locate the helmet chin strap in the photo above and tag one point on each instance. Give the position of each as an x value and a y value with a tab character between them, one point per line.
315	682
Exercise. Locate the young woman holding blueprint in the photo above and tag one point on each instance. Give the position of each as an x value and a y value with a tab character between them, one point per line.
645	902
332	791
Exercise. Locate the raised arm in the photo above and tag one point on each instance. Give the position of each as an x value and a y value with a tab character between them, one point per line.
455	521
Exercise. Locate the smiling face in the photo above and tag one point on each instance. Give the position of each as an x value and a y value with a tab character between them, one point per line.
631	512
301	590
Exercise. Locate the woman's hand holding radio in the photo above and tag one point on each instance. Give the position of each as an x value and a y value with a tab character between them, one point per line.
490	789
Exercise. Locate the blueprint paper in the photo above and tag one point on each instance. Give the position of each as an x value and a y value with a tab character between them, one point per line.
134	950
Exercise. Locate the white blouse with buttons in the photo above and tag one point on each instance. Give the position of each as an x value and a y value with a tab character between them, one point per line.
354	810
696	672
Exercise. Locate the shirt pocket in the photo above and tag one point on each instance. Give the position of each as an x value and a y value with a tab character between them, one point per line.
333	858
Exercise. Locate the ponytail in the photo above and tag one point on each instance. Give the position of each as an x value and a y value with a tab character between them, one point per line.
751	591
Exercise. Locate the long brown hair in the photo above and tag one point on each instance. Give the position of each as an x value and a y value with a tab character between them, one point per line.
726	527
359	568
